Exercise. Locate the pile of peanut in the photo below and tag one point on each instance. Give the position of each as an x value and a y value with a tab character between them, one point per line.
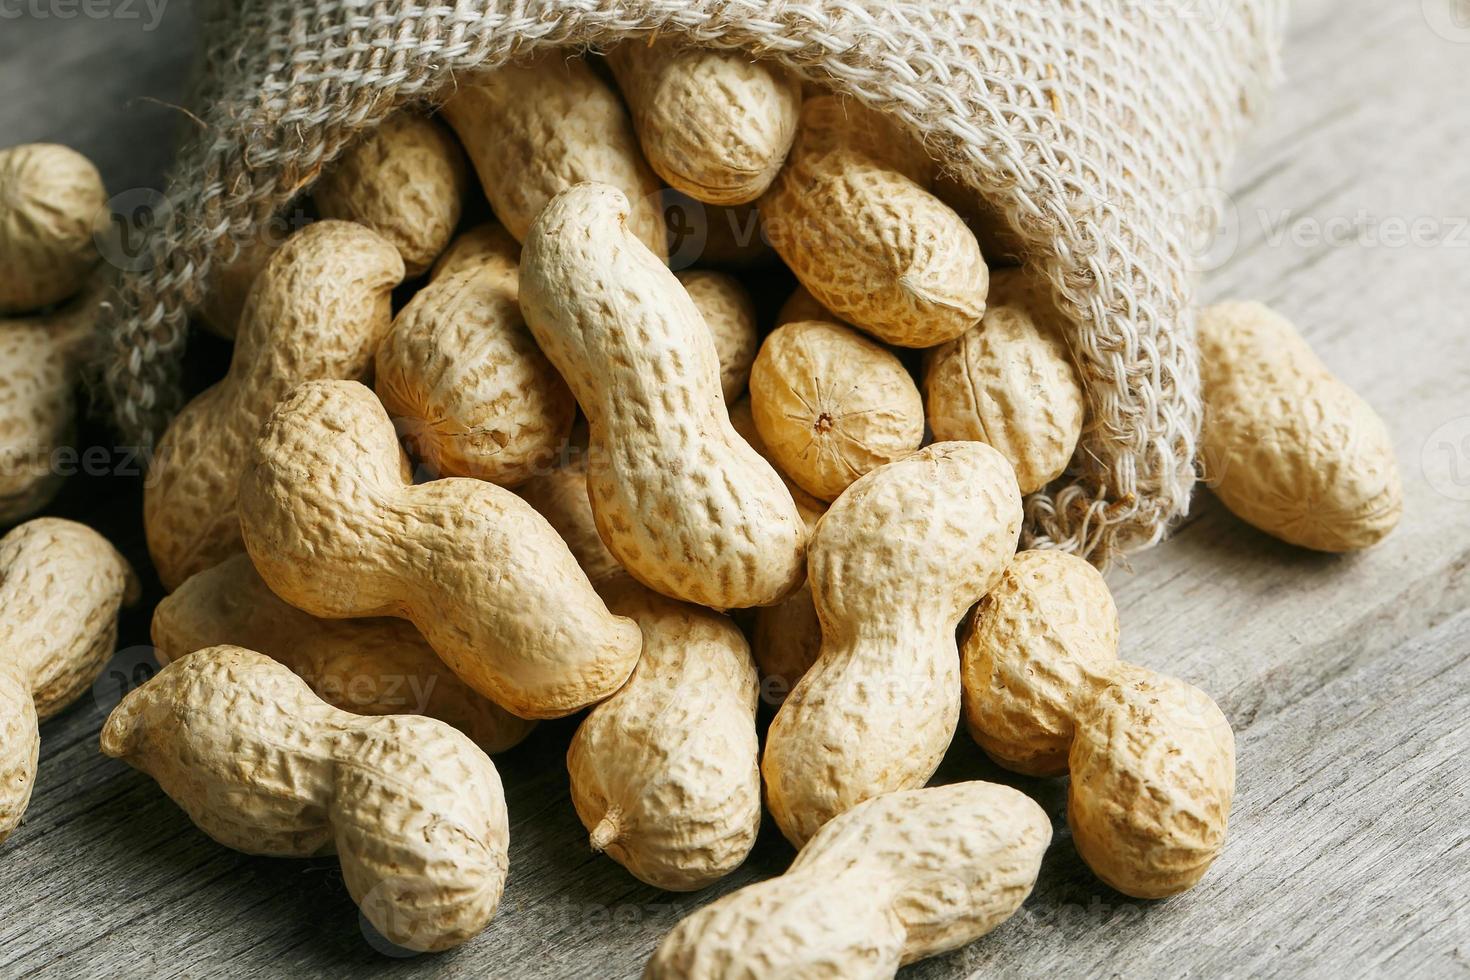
380	488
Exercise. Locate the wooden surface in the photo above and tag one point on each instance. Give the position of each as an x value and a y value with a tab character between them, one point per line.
1345	678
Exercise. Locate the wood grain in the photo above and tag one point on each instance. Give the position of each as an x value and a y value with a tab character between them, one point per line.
1345	678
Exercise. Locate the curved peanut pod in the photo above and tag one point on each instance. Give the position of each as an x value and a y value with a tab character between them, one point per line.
406	180
318	310
1041	645
1153	774
227	286
532	131
680	499
51	200
664	773
40	360
61	585
366	666
851	215
892	881
336	529
413	810
1152	759
1010	382
1286	445
715	124
895	563
465	383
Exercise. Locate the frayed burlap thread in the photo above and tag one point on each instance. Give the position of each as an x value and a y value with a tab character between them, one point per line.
1087	121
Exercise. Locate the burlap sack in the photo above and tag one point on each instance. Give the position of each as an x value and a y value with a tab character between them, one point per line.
1093	123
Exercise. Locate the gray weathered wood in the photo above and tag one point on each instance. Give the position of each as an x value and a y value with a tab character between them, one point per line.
1345	678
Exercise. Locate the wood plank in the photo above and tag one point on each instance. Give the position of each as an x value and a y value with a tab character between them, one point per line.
1344	677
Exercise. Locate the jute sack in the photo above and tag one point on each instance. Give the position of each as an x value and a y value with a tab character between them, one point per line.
1092	124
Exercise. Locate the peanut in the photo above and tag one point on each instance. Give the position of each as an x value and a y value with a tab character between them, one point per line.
404	180
317	311
680	499
413	810
1010	382
560	496
893	880
1001	244
894	565
61	585
802	305
1046	631
831	405
713	124
1286	445
1152	759
487	244
227	286
51	203
532	131
42	357
366	666
1153	773
742	418
335	528
851	215
465	383
665	773
785	638
729	313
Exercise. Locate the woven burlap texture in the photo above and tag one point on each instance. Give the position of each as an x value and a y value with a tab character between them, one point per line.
1087	121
